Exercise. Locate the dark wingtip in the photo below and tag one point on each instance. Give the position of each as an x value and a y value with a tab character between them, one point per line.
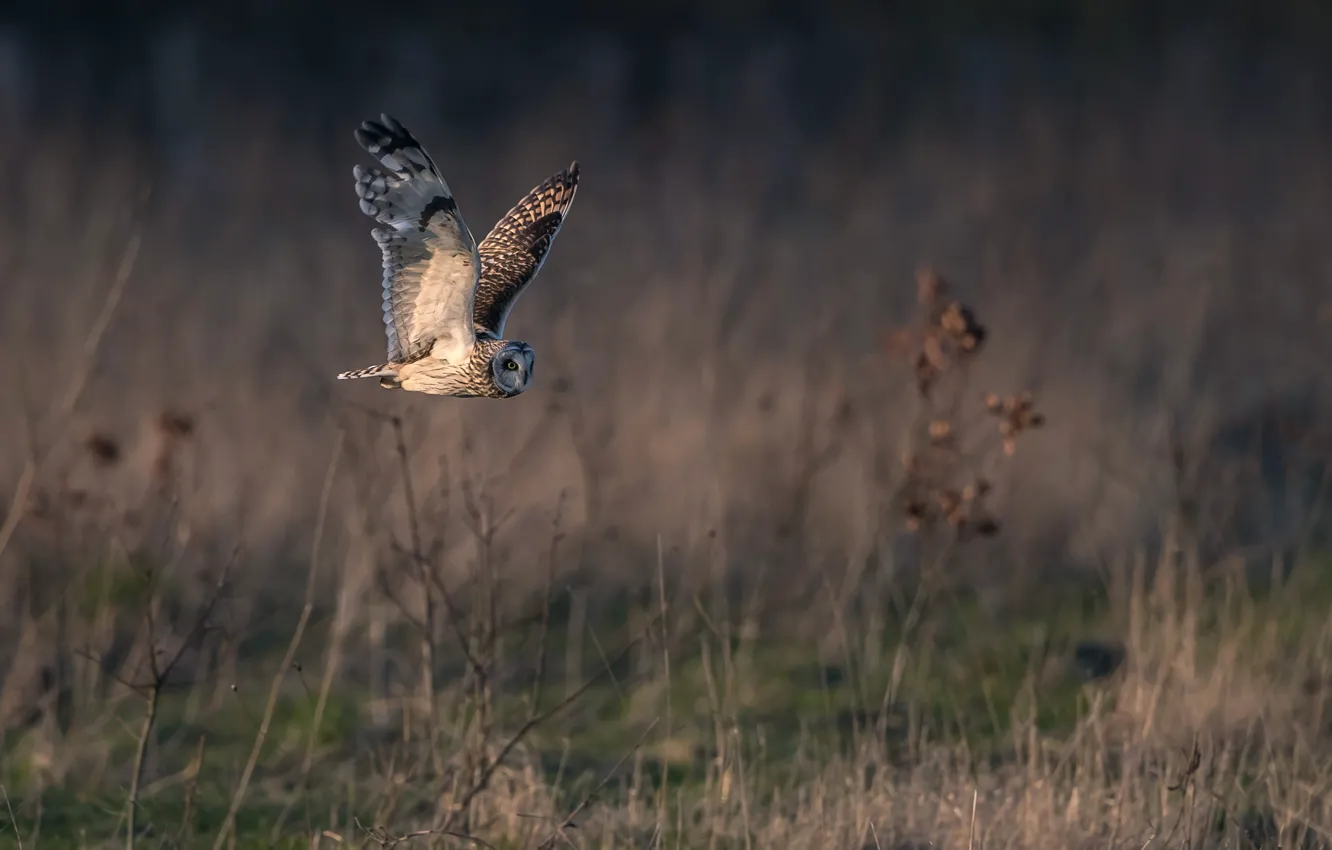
383	136
573	170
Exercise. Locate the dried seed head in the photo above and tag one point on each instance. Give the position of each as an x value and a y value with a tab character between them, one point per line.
933	350
176	424
1010	447
926	375
845	413
104	449
950	503
960	323
940	429
917	513
993	403
955	319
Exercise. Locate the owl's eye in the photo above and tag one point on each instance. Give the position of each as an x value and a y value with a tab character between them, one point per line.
511	365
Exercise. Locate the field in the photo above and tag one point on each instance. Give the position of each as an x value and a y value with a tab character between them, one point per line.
926	450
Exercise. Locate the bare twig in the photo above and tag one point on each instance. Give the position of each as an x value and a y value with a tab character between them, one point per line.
422	563
149	718
161	675
534	721
387	841
568	820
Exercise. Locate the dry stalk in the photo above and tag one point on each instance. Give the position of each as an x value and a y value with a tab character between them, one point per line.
13	821
533	721
63	412
943	472
543	634
331	665
238	796
423	567
160	674
663	791
484	629
387	840
971	831
186	830
559	833
427	575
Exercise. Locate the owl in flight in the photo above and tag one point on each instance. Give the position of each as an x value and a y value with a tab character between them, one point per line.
445	297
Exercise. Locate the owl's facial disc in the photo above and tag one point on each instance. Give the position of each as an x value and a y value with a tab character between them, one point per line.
511	367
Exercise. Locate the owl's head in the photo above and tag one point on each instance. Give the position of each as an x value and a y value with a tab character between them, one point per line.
511	367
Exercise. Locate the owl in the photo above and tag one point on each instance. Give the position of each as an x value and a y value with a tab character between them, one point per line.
446	298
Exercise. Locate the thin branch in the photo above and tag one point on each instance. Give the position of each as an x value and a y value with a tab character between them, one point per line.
536	720
94	339
140	753
160	674
592	795
422	563
387	841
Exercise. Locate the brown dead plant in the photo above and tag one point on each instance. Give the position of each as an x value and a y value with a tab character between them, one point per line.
947	465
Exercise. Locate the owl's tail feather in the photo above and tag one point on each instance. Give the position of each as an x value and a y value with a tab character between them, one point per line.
384	370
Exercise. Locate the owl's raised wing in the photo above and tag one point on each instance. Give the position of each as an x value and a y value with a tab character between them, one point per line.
430	257
512	253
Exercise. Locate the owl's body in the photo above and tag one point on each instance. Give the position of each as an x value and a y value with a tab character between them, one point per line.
484	374
446	298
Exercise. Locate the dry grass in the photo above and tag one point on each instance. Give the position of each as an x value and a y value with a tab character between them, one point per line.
754	565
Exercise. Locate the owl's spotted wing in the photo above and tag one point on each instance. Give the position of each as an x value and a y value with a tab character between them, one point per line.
430	257
512	253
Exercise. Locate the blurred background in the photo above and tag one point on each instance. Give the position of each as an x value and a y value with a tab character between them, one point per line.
1134	197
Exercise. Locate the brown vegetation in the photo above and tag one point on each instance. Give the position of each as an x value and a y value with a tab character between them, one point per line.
240	599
